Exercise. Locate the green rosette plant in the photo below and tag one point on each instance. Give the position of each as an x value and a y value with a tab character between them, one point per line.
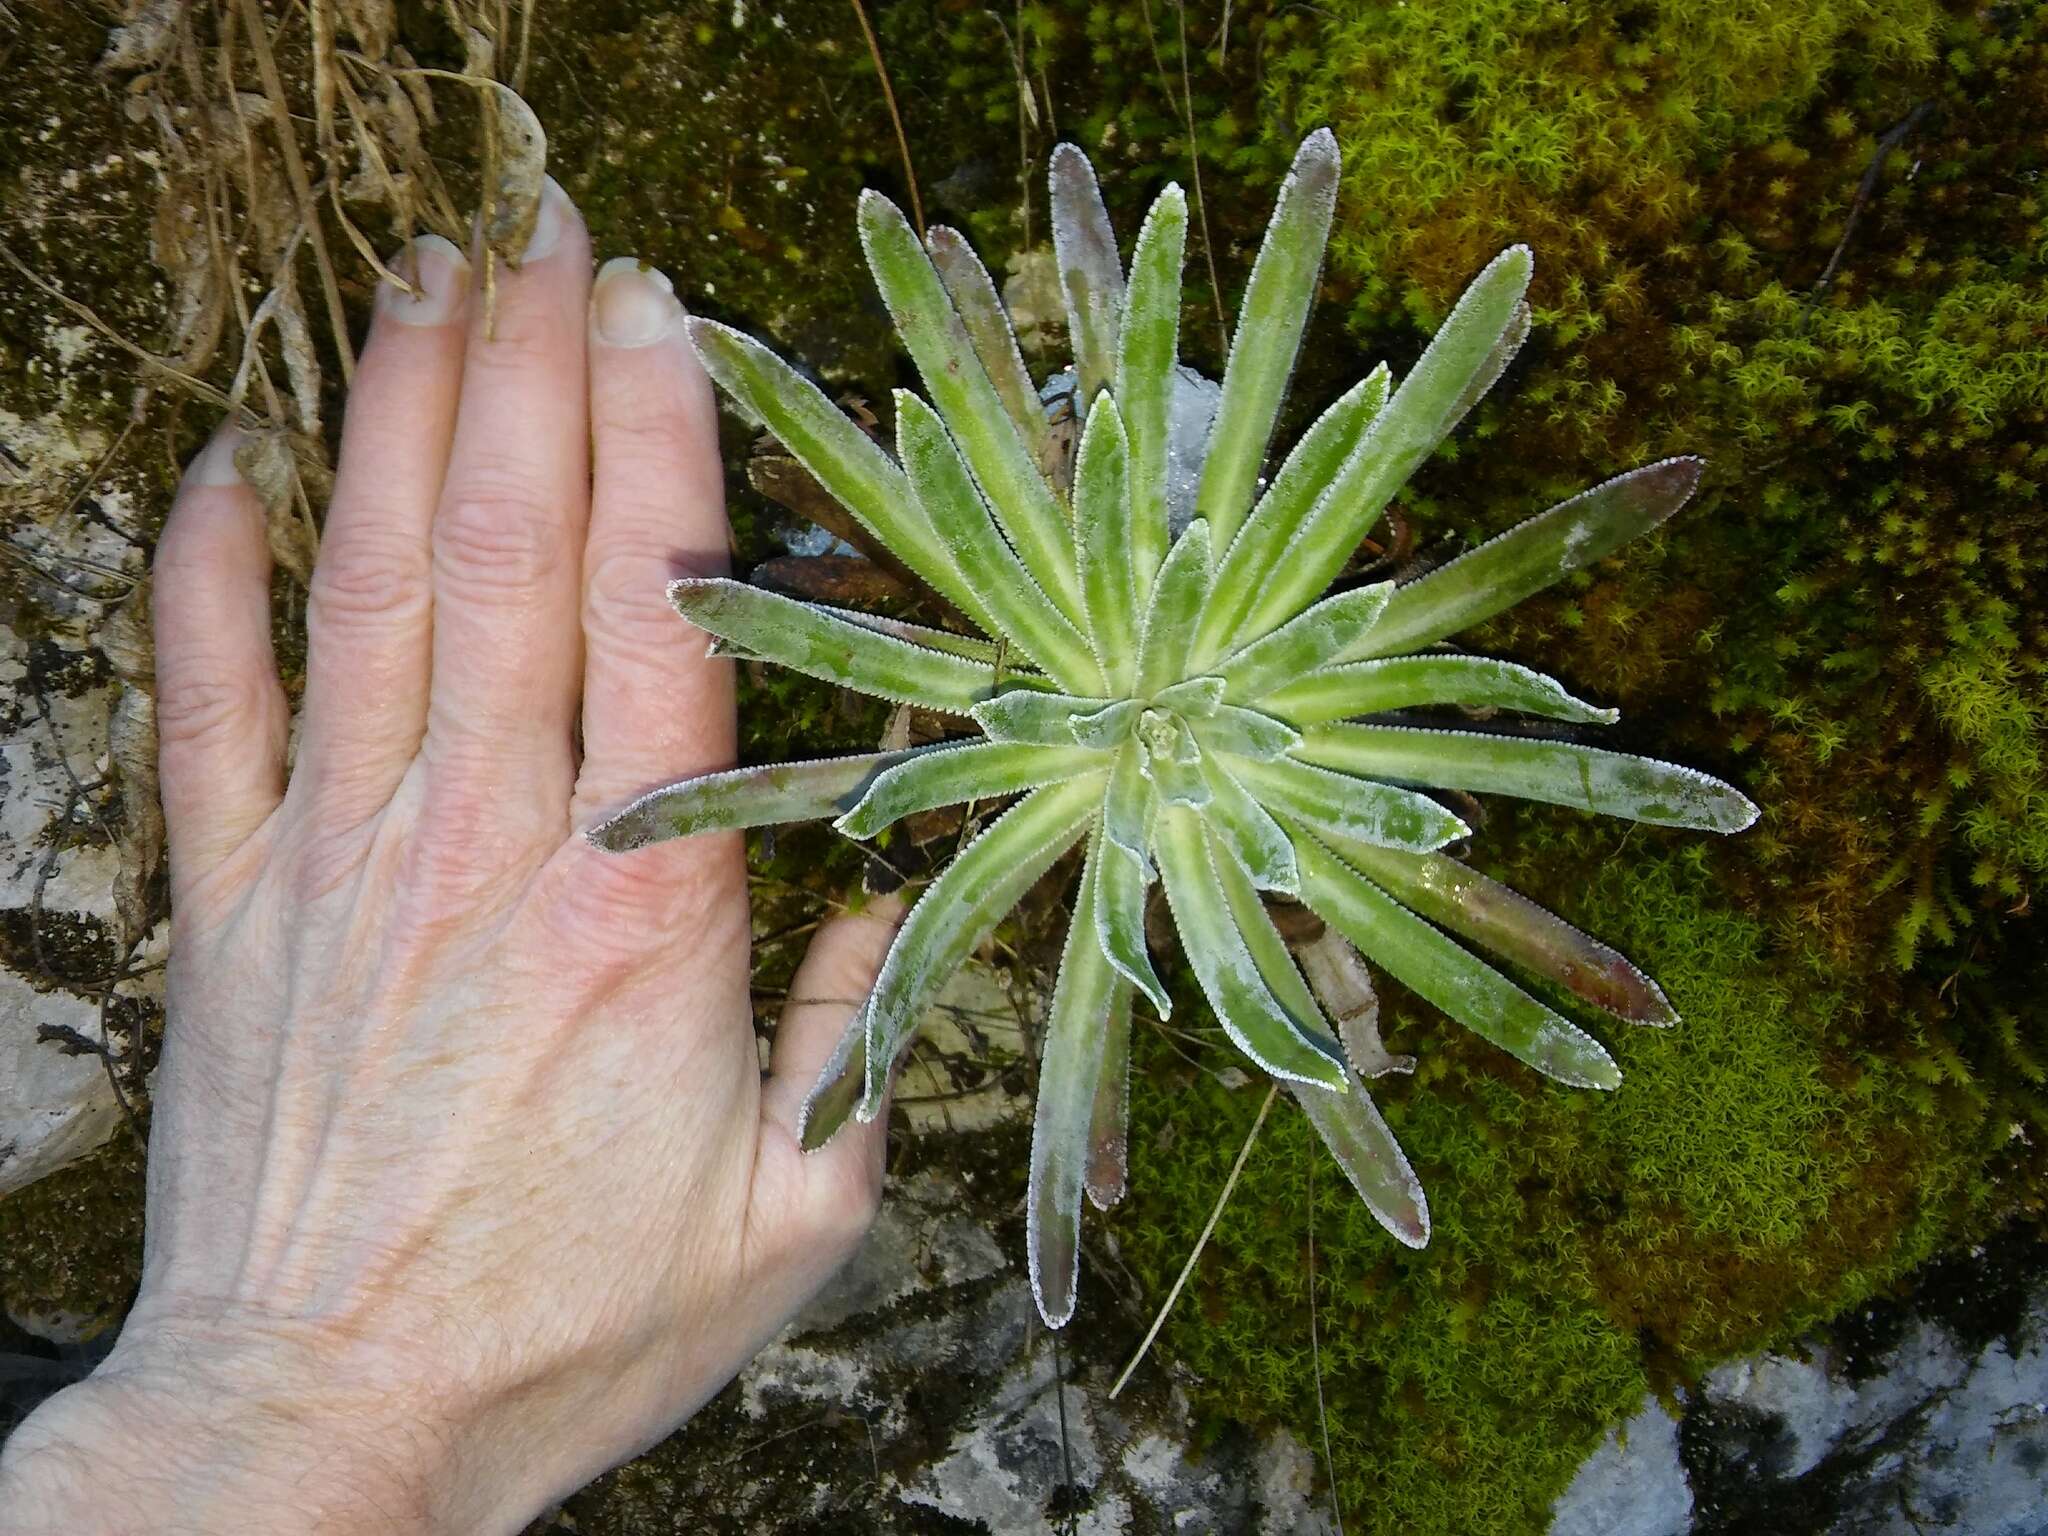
1162	679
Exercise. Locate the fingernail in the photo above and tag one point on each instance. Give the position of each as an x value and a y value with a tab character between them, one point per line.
548	222
632	303
215	463
438	271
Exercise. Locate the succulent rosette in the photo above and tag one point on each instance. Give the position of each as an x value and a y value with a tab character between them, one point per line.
1160	675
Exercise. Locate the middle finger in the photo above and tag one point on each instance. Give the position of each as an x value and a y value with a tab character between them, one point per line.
508	536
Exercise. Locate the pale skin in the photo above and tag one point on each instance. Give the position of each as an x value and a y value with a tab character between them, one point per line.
465	1180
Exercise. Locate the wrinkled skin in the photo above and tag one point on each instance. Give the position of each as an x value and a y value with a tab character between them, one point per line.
465	1182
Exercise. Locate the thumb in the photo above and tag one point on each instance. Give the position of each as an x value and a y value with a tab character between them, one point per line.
824	999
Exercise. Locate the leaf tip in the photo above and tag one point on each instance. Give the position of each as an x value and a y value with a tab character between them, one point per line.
1053	1293
1068	156
1742	811
1411	1229
1517	260
717	347
1656	1011
691	595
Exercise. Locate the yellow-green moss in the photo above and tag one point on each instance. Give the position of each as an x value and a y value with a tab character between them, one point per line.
1753	1175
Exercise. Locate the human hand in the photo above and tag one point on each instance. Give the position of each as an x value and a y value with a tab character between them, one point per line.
464	1181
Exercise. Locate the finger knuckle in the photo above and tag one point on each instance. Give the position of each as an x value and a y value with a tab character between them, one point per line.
497	540
618	910
625	599
648	437
323	861
207	710
365	581
526	342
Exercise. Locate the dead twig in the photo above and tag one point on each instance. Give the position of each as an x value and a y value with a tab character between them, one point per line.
1315	1347
302	185
525	45
1209	1226
1187	112
1888	141
198	386
895	117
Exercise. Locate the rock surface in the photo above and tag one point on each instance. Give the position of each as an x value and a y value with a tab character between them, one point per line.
1938	1428
1634	1484
920	1393
60	867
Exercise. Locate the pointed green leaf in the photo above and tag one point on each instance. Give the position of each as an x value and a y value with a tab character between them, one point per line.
1501	572
1106	729
978	770
1023	714
1259	842
1560	772
1246	732
981	311
1217	953
960	909
1498	356
1102	524
841	1084
1269	326
1109	1139
1408	682
1091	272
1383	814
1309	640
1289	502
808	640
1195	699
1150	344
1270	954
1062	1131
1119	921
1128	807
1420	415
745	797
1458	897
1433	966
1170	617
956	512
844	459
1372	1160
960	387
983	651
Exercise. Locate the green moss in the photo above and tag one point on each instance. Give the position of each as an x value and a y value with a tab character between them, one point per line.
1754	1174
1851	597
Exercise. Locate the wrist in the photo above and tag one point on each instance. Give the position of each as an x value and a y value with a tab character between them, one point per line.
192	1437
